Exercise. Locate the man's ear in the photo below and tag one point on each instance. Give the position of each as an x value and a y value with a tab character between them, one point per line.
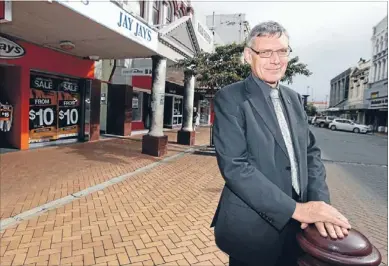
247	55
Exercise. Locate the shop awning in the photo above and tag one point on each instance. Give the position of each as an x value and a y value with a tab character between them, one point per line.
96	28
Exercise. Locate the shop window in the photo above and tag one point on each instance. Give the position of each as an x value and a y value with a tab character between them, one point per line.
137	104
169	13
142	8
55	105
177	111
205	110
180	13
156	11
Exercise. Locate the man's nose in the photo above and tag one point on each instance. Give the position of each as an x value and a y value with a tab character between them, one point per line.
275	58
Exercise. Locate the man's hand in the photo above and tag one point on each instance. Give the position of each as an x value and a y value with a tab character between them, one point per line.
327	228
318	211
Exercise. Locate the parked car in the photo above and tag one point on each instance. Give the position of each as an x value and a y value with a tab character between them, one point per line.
323	121
348	125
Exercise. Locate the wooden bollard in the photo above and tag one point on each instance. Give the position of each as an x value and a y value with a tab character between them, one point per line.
354	249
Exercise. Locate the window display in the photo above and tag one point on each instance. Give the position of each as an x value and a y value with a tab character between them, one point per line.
43	109
137	105
6	117
54	108
177	110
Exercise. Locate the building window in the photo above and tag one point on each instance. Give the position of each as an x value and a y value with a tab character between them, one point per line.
156	11
180	13
382	44
169	13
378	72
142	8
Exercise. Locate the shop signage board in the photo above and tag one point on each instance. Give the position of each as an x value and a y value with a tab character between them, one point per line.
54	108
136	71
378	103
115	18
10	49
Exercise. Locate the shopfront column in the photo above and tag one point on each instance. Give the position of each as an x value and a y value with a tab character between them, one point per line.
155	142
186	135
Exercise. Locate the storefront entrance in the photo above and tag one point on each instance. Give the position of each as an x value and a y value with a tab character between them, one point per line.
172	117
141	110
205	112
8	100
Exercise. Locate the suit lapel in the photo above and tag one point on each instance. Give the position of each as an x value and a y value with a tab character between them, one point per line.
264	109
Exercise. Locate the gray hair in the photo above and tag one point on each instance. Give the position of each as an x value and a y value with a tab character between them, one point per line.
267	28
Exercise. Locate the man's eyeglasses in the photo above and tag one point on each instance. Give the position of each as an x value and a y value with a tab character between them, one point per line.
268	53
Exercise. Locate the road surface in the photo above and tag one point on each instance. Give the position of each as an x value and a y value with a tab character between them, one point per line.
357	176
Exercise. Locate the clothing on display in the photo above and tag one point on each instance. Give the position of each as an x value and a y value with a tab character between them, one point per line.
6	117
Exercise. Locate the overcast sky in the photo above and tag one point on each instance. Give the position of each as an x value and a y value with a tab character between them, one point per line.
328	36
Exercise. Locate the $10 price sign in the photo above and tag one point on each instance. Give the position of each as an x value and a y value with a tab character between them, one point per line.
54	107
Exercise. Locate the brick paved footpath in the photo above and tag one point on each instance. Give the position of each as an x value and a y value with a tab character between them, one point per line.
159	217
31	178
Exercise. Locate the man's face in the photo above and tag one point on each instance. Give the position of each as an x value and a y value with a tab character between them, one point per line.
269	69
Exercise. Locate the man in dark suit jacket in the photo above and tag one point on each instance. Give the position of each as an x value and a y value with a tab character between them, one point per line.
275	179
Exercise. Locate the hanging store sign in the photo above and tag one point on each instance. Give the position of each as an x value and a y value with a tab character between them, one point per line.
379	103
10	49
6	117
142	71
117	19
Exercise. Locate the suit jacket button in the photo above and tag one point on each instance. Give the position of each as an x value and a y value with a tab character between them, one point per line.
288	168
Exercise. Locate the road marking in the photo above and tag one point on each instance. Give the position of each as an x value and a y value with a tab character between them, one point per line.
355	163
8	222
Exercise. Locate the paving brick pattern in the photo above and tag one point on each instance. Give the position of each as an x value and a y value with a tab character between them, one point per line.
31	178
160	217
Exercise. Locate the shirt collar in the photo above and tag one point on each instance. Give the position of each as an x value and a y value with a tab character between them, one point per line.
266	88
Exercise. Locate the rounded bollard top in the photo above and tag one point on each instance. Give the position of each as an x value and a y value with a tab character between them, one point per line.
354	249
355	244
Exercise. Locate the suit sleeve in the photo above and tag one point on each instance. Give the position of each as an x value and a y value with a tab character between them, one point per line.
317	186
242	178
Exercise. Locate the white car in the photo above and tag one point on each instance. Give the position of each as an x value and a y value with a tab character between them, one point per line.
347	125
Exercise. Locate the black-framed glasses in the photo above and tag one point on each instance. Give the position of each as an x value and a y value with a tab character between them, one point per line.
268	53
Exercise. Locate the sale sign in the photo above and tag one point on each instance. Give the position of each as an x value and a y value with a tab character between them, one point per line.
68	108
43	109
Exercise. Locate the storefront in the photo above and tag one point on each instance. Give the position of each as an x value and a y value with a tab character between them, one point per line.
203	103
377	103
45	96
141	105
174	106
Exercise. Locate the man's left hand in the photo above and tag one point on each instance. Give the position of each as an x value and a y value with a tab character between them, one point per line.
326	229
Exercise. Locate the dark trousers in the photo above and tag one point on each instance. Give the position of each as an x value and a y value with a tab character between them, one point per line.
291	249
